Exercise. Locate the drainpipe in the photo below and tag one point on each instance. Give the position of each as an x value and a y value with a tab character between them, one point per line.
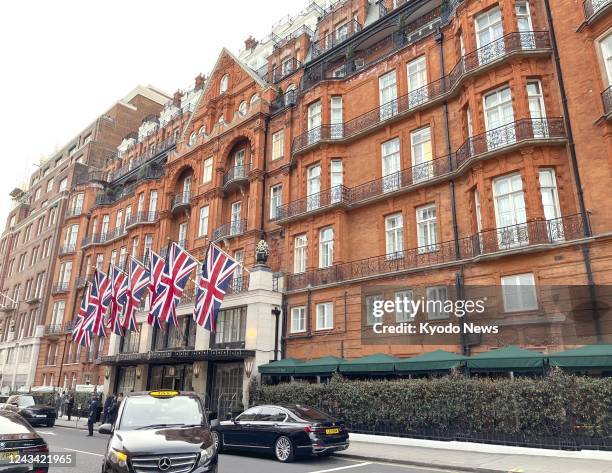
576	171
265	193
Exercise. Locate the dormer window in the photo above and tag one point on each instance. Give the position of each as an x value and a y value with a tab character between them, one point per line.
202	130
224	84
192	139
242	108
254	98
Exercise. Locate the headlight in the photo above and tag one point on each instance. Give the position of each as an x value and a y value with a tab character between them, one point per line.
206	455
118	457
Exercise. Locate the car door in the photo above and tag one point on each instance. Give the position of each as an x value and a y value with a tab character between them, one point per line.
236	432
268	424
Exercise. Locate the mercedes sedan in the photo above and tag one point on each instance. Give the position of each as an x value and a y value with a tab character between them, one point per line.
286	431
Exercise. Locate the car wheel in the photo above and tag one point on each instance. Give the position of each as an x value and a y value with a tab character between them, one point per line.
51	423
217	440
283	449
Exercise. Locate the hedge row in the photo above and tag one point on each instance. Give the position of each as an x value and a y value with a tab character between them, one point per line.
558	404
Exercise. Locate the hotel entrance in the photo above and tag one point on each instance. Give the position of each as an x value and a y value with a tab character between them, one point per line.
176	377
225	387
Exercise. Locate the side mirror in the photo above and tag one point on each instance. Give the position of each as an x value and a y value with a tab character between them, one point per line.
105	429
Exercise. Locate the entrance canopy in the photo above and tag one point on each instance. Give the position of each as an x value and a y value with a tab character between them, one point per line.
379	364
510	358
280	367
433	361
590	357
319	366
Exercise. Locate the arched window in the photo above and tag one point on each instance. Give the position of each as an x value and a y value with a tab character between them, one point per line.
254	99
202	130
221	119
290	95
192	139
224	84
242	108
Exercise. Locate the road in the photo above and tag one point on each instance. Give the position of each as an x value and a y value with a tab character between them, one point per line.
90	450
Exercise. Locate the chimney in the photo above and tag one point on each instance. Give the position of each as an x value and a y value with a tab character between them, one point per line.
250	43
177	97
199	81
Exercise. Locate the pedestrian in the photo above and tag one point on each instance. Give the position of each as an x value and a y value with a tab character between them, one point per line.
56	402
110	400
69	404
92	412
62	407
112	414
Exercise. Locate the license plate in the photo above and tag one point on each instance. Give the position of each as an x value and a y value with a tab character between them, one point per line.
335	430
10	455
40	416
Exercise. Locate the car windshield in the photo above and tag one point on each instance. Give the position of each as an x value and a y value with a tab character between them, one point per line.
26	401
309	414
140	412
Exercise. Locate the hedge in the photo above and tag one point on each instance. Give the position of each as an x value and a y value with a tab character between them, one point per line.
554	406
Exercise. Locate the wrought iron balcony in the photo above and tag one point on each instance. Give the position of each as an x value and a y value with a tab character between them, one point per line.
497	140
181	201
81	281
141	218
103	237
294	34
74	211
235	175
429	94
239	284
489	242
606	98
283	101
331	40
143	158
229	229
594	7
111	195
287	68
67	249
59	288
55	330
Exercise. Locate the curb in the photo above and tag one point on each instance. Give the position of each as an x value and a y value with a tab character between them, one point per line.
419	463
68	426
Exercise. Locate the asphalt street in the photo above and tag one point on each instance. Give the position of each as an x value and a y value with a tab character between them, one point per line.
90	450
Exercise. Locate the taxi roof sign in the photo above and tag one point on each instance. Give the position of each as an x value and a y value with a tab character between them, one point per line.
163	393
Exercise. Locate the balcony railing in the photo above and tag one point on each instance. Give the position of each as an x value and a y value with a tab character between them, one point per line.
104	237
110	195
74	211
57	329
81	281
141	217
606	97
59	288
181	200
67	249
146	156
229	229
495	140
288	99
238	285
285	69
236	173
429	93
529	234
592	7
333	39
294	34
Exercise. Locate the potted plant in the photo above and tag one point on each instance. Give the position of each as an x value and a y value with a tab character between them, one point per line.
262	251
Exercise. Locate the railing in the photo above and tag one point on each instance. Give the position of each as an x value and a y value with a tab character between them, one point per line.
513	237
606	98
147	155
81	281
57	329
67	249
238	285
294	34
230	229
433	91
105	237
497	139
592	7
285	69
333	39
288	99
236	173
59	288
73	211
141	217
110	195
180	200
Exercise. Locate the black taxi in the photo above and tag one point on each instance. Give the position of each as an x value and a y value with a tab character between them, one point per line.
163	431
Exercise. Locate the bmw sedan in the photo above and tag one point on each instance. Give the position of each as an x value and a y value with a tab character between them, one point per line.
30	408
19	441
285	431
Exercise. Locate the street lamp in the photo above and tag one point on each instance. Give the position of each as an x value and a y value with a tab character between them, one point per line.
248	367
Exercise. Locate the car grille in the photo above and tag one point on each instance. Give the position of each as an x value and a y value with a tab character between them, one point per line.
179	463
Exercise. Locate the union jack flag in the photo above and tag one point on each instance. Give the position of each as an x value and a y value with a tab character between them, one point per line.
170	288
155	269
138	282
217	271
80	331
118	289
99	300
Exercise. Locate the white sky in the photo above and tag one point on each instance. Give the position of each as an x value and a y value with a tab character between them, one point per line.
65	62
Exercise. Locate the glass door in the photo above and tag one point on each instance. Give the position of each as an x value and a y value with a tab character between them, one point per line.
489	31
226	389
387	86
313	187
235	222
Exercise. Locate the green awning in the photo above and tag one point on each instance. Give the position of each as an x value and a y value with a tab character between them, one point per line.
510	358
373	364
438	360
280	367
319	366
589	357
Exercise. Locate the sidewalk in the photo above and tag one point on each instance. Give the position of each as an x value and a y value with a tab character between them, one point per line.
474	457
74	423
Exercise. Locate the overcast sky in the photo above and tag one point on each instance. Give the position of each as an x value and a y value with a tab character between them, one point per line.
65	62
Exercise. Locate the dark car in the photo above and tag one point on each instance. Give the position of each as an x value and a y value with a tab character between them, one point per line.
160	431
31	409
18	438
287	431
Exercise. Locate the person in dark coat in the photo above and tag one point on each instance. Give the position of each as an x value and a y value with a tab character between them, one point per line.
92	412
114	409
69	404
108	403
